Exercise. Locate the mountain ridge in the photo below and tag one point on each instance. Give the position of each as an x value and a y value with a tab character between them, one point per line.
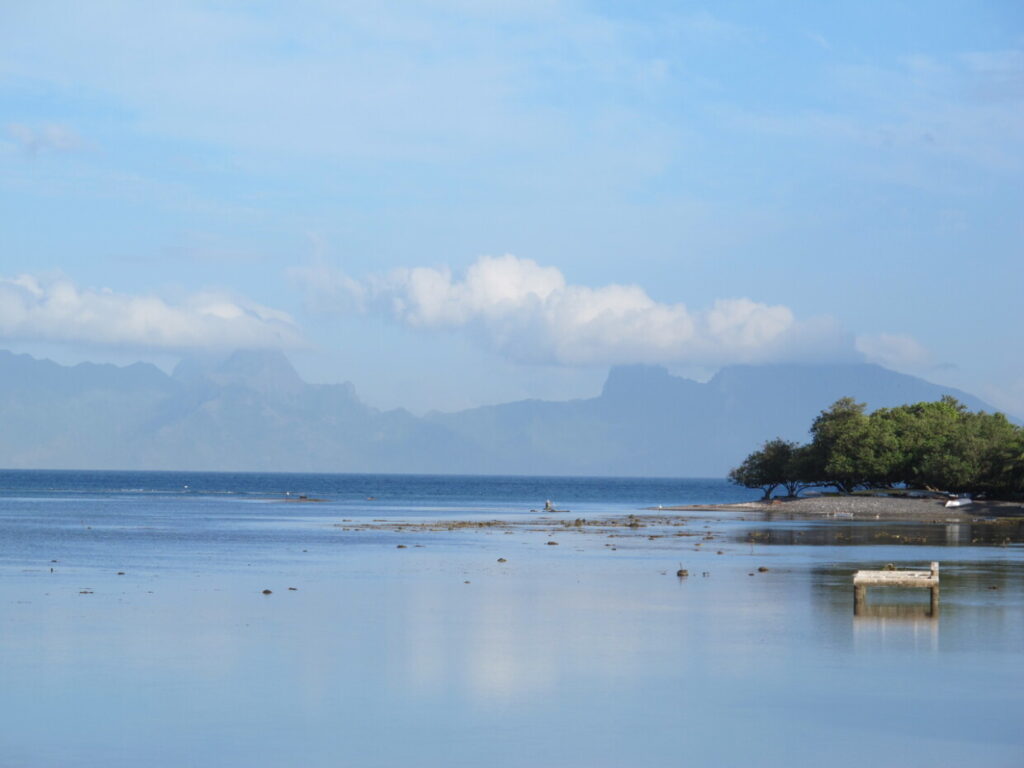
251	411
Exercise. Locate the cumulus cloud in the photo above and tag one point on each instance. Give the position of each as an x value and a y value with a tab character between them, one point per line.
49	137
893	350
54	309
530	313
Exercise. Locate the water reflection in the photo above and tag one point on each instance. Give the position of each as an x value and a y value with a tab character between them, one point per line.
869	533
880	626
956	534
894	612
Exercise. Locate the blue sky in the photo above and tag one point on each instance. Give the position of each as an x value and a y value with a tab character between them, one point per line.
452	203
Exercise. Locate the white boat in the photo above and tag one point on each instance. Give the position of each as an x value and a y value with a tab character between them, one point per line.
959	501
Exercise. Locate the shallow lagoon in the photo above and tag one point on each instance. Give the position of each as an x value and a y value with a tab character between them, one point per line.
570	655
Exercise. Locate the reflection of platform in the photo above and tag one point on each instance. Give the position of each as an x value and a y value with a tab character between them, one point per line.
907	579
899	625
896	612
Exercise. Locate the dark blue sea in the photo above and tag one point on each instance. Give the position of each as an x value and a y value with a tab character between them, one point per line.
414	494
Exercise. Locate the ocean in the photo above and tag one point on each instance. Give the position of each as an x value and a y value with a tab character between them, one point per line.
217	619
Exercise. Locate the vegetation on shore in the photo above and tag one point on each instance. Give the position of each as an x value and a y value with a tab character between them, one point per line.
933	446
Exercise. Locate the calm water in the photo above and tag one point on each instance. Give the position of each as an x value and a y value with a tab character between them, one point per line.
589	653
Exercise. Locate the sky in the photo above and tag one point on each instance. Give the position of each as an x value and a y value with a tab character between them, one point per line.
453	202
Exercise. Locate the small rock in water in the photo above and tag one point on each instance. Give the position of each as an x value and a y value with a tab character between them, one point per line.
120	573
502	560
293	589
267	592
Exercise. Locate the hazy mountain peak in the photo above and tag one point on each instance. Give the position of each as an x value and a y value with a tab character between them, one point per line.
799	383
191	369
26	372
250	411
625	379
629	382
267	371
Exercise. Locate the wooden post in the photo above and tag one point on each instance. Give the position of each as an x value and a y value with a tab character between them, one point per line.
860	596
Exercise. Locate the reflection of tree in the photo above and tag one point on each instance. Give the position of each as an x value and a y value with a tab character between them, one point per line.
886	534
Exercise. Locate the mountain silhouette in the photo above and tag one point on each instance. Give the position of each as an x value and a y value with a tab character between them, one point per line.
251	411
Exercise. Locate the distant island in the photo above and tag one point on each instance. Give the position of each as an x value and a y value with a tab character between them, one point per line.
251	411
932	446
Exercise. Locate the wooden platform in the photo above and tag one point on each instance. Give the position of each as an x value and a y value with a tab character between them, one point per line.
892	578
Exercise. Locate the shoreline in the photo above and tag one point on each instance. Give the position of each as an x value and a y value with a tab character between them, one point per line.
889	508
674	521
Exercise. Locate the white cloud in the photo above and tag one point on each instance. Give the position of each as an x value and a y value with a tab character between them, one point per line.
893	350
54	309
49	137
530	313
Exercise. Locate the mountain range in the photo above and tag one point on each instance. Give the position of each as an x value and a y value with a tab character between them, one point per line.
252	412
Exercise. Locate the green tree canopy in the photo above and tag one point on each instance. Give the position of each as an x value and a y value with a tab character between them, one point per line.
937	445
765	469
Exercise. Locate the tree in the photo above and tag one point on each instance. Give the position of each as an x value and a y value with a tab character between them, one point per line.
934	445
993	447
841	443
940	456
802	470
884	465
767	468
1008	466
